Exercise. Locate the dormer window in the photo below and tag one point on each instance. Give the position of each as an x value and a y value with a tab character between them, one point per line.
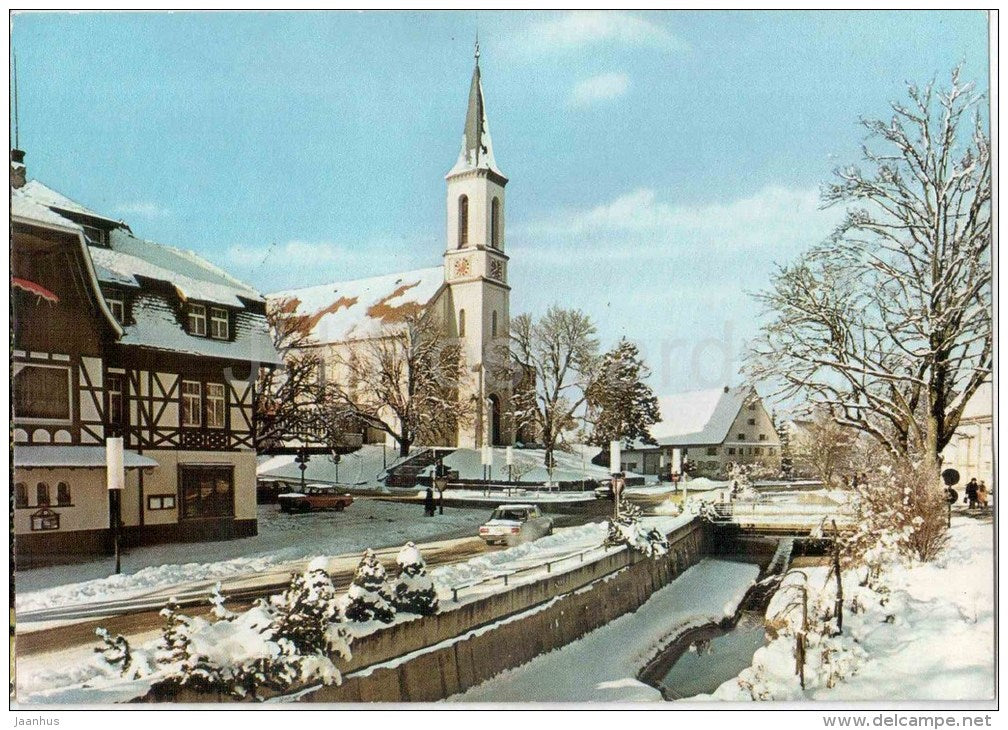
95	235
218	323
197	320
118	308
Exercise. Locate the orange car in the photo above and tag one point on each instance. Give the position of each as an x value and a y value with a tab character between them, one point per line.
314	499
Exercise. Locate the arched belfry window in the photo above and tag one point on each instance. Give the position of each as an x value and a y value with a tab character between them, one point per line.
495	240
463	221
461	323
493	325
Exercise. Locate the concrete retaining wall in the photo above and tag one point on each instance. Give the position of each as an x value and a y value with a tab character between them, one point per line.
482	638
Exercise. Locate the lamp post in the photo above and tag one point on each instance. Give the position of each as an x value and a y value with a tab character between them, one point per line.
487	459
301	460
116	479
615	464
509	460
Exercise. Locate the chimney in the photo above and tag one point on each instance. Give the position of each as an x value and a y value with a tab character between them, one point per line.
18	173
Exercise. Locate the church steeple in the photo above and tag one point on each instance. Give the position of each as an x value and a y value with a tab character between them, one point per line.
477	149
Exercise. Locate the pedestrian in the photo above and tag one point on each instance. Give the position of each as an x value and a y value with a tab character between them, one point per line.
982	495
429	502
971	493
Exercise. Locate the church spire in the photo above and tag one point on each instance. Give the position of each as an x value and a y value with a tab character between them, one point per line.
477	149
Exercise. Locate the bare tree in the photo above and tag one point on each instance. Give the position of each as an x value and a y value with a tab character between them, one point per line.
823	447
888	324
294	399
556	359
406	382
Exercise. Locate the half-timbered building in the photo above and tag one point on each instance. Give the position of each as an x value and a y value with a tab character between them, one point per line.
117	335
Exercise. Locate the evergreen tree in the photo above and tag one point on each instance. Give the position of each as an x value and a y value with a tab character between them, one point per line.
369	597
174	645
414	590
787	458
115	651
306	613
622	405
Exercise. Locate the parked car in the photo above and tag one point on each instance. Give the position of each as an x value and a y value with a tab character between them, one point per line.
314	498
511	524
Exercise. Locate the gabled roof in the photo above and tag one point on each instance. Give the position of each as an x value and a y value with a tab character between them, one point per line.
477	149
50	198
362	308
700	417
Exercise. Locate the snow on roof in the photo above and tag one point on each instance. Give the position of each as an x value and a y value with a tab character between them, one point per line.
26	207
50	198
156	325
73	456
360	308
699	417
193	277
476	152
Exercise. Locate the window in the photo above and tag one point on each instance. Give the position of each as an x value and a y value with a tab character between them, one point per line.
192	403
752	406
218	323
752	421
63	494
118	308
215	405
161	501
731	451
197	320
762	437
94	234
463	221
42	494
741	437
495	223
461	323
712	451
206	491
493	325
21	495
42	392
114	396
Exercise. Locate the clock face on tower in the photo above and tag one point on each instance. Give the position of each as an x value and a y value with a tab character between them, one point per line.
461	268
497	269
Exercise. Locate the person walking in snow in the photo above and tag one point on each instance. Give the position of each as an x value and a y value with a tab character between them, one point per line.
971	493
429	502
982	495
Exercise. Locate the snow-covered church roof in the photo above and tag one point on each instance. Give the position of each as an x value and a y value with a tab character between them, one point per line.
362	308
699	417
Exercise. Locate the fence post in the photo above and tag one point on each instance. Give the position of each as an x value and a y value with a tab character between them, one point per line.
505	578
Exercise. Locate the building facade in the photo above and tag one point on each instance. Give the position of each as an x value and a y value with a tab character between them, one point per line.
468	294
709	429
971	450
118	336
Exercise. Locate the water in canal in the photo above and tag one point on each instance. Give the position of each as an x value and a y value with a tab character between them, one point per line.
713	656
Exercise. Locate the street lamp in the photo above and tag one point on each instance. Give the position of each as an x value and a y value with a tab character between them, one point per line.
509	460
615	468
487	459
115	470
302	460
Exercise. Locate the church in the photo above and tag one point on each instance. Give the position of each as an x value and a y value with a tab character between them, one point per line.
468	293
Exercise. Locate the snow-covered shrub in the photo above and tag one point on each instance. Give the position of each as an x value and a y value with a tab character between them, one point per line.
368	597
217	601
414	590
628	530
173	646
283	642
119	656
741	478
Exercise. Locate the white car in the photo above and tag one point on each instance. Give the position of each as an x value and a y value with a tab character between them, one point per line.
511	524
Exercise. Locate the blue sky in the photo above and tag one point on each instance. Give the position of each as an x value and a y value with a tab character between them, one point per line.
660	163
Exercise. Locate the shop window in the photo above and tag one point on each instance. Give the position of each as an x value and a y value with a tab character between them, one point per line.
206	491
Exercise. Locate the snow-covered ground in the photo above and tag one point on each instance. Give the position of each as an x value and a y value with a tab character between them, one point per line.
602	666
933	639
364	468
529	465
282	538
498	496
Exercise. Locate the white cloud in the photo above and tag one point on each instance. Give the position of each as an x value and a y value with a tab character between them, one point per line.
576	29
603	87
142	208
639	224
296	263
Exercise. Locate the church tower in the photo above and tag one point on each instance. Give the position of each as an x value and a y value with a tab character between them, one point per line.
475	267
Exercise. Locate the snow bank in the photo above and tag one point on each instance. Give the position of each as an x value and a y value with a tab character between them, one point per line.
933	639
602	666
